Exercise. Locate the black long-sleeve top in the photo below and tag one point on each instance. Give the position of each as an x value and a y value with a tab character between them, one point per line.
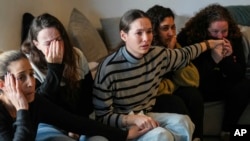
77	101
51	85
227	72
24	127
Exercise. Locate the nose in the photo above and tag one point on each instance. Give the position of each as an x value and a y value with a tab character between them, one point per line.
147	36
220	35
171	32
30	81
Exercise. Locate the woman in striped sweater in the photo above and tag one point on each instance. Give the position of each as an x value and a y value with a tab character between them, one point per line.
127	81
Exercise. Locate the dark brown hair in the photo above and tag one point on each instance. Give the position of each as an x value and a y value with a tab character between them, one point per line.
70	57
196	29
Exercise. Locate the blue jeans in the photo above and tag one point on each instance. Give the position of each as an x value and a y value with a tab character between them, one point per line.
173	127
46	132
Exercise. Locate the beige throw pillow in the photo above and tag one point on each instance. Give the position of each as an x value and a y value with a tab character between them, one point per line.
86	37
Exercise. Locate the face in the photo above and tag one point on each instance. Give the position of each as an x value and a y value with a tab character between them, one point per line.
139	38
218	29
45	37
167	30
22	71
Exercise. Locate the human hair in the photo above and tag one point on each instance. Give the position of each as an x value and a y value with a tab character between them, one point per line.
129	17
6	58
196	28
70	57
157	14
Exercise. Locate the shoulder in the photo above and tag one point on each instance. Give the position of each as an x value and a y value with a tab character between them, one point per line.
80	54
83	64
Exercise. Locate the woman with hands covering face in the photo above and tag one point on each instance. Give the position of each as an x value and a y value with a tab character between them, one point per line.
222	69
22	108
181	84
61	70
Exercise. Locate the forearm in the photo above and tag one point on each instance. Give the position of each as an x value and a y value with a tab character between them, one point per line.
52	81
23	128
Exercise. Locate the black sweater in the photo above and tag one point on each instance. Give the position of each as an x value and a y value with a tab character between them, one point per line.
24	127
77	101
216	78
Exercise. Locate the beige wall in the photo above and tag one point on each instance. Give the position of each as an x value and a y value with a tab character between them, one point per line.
11	12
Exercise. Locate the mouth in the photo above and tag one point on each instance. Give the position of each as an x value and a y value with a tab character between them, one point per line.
145	46
31	93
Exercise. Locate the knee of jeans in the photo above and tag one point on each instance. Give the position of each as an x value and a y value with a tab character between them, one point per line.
97	138
183	119
163	134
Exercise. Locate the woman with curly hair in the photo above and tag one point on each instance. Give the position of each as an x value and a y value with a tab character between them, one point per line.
221	77
182	83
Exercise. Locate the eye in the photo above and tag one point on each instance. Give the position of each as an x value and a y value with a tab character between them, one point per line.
21	77
138	33
59	39
173	27
32	74
149	31
164	28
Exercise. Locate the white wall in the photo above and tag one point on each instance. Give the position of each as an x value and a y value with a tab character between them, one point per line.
11	12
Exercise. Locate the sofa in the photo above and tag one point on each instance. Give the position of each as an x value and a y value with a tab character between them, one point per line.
98	43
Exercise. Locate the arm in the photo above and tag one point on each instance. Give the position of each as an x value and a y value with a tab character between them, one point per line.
234	66
181	57
48	112
49	88
20	130
187	76
102	100
54	57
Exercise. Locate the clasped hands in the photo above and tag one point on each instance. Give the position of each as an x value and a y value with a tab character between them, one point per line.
221	51
139	124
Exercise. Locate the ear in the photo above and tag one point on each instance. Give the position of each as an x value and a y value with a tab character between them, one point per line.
1	84
35	42
123	35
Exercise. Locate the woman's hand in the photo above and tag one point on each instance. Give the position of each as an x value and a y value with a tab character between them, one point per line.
141	121
54	53
172	43
73	135
215	43
217	54
13	92
220	52
135	132
227	49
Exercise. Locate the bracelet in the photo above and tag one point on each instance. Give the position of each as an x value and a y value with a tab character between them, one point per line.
126	120
207	45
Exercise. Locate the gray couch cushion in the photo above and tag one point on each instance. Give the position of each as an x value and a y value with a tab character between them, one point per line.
110	27
240	13
213	115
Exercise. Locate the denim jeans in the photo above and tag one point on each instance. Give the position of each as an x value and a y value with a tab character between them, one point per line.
173	127
46	132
